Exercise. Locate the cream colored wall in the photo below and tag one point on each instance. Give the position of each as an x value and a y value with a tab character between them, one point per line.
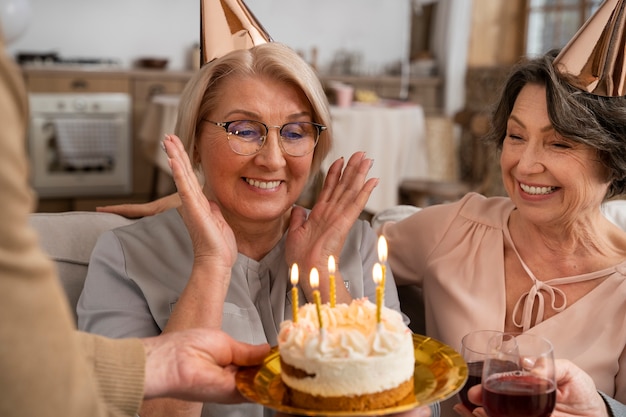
127	30
497	35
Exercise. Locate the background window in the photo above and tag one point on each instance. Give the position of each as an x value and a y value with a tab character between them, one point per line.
552	23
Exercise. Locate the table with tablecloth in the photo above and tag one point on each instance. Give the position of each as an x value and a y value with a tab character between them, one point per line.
394	135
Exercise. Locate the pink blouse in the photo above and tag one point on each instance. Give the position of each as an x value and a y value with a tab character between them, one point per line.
455	252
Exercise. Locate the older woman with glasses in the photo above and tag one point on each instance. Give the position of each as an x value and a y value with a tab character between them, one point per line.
256	125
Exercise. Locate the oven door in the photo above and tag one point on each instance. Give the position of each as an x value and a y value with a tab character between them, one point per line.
79	153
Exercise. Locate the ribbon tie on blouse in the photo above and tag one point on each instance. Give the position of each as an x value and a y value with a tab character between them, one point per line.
536	294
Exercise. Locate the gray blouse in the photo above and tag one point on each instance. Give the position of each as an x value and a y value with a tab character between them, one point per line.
137	273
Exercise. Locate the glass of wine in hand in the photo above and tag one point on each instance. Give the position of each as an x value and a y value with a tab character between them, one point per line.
518	377
474	351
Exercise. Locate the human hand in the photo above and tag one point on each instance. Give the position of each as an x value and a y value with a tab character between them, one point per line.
310	241
138	210
576	394
212	238
478	411
197	365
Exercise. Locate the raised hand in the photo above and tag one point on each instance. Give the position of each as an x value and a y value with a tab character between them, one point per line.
310	241
214	246
210	234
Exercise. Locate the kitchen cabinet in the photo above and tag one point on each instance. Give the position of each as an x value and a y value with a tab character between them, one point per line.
59	81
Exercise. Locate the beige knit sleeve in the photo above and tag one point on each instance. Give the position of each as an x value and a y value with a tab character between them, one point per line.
48	368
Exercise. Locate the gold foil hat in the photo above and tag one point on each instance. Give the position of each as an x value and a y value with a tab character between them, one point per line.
227	25
595	56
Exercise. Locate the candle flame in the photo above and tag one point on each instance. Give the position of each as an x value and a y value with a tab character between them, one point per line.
331	264
382	249
294	274
377	273
314	278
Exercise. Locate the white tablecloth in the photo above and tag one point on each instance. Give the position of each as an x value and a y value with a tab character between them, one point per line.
394	136
159	120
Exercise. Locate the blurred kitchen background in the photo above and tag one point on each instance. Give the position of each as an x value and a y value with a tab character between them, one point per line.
105	75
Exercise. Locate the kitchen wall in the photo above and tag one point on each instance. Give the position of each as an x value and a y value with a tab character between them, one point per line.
127	29
497	33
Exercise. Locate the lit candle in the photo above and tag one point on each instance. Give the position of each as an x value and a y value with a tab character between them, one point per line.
294	292
331	280
314	279
377	274
382	257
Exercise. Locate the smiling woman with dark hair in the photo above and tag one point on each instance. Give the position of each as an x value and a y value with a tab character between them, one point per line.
544	260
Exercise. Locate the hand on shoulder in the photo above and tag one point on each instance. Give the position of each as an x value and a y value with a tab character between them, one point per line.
138	210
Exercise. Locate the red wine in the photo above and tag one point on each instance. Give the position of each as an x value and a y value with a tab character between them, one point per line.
518	394
475	373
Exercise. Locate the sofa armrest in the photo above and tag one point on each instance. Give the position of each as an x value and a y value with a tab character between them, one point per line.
68	238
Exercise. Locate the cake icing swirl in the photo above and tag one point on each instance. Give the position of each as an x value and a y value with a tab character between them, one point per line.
352	355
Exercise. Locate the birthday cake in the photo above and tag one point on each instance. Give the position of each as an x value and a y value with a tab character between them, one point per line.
353	363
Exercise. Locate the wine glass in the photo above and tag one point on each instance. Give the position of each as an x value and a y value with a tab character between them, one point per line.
518	376
474	351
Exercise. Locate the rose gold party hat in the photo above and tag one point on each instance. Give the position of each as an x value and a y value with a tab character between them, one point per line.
595	56
227	25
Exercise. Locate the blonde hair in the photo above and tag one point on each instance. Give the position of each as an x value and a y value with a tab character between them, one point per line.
273	60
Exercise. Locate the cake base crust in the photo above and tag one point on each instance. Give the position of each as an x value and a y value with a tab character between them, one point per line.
375	401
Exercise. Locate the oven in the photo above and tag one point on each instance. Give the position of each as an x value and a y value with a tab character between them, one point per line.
79	144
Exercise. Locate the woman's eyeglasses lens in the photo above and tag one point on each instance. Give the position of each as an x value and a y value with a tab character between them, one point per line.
246	137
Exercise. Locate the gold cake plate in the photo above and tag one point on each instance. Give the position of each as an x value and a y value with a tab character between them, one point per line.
440	372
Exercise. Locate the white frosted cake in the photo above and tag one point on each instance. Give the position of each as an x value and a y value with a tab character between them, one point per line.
354	364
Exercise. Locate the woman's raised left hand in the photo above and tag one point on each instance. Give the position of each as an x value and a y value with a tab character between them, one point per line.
311	240
211	236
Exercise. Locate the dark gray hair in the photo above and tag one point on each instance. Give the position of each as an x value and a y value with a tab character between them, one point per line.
596	121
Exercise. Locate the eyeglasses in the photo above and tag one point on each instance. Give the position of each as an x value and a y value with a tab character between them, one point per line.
247	137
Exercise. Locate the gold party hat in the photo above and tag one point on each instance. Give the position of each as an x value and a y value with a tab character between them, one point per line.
595	56
227	25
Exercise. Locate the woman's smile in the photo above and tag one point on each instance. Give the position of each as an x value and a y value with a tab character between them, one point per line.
265	185
537	190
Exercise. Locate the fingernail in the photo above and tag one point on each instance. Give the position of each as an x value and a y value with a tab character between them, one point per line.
162	143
